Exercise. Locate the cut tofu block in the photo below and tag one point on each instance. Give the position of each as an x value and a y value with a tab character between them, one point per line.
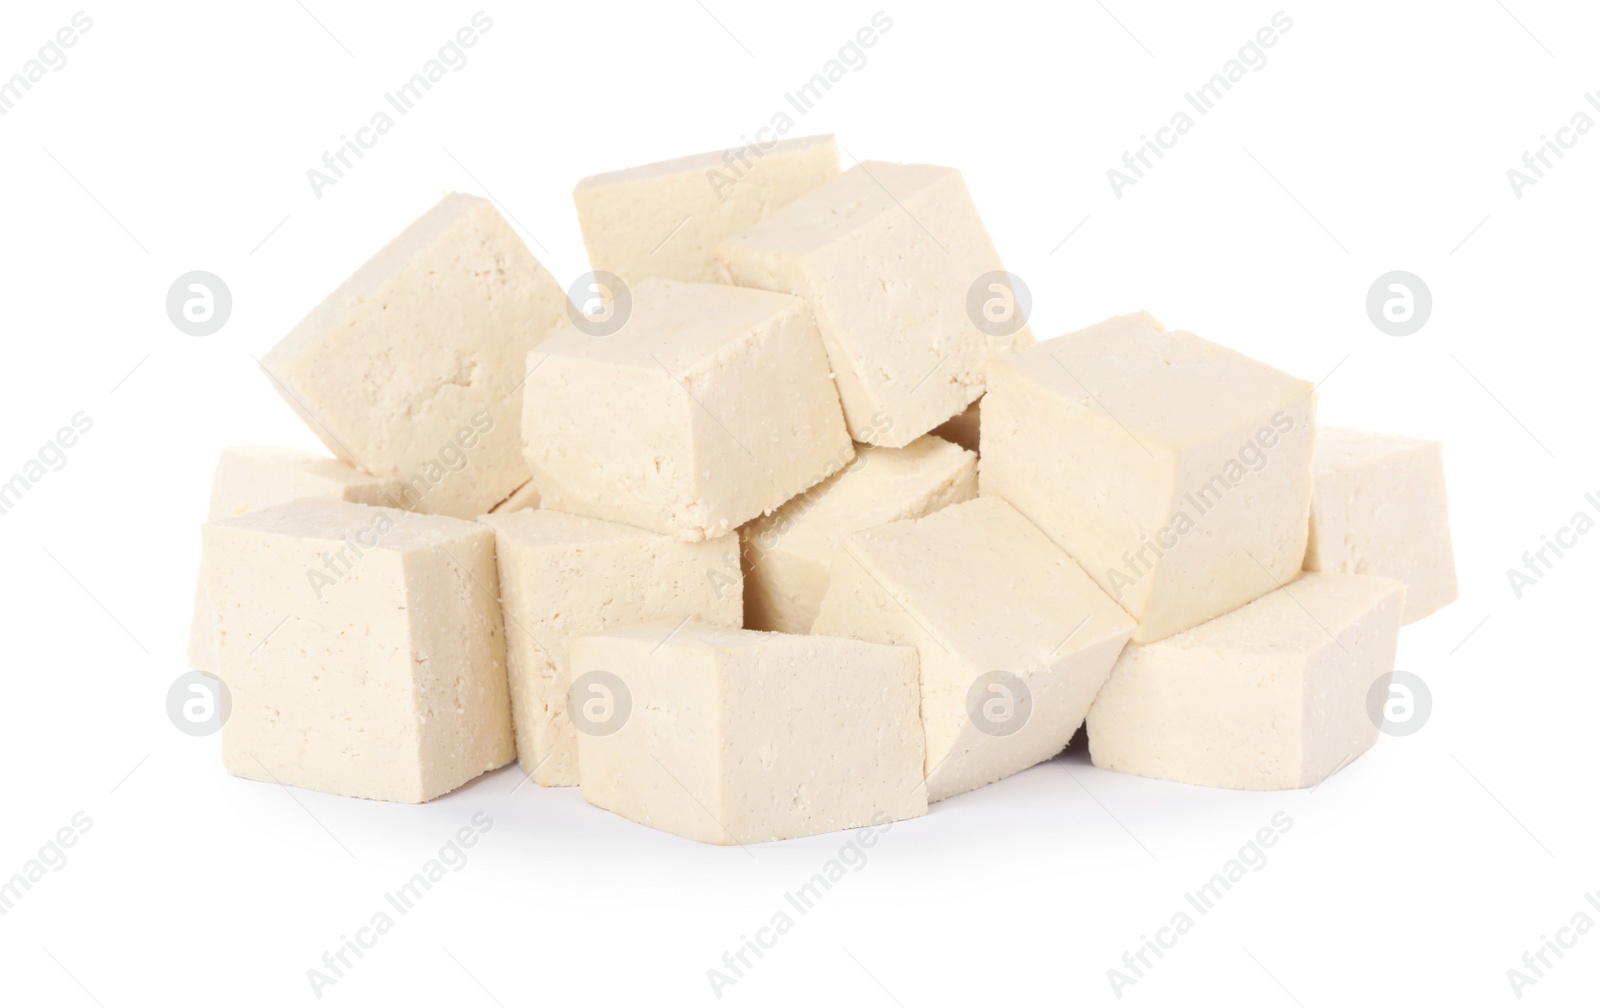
1378	507
1014	638
1175	471
410	369
890	258
738	737
665	219
711	406
362	647
563	576
527	496
962	429
251	477
789	552
1270	696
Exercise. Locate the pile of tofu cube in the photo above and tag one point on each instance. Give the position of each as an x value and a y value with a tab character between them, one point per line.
732	549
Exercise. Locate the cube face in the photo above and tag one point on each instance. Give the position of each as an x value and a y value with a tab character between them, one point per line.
409	369
1271	696
1174	470
564	576
362	647
1013	638
888	256
249	478
1378	507
710	407
735	736
666	219
790	552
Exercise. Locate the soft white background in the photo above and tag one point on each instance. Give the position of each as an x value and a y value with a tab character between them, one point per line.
1419	875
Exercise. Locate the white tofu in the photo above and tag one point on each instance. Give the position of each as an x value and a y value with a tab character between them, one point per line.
1175	471
738	737
963	428
665	219
527	496
709	407
251	477
563	576
1270	696
410	368
789	552
362	648
1378	507
888	257
1014	638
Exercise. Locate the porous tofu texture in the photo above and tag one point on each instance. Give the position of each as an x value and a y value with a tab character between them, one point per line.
711	406
409	369
1378	507
1271	696
735	736
362	648
563	576
665	219
789	552
1175	471
887	256
251	477
978	591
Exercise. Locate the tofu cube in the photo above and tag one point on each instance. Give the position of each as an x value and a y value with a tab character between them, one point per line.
362	647
899	272
1014	639
1378	507
409	369
790	551
665	219
1271	696
563	576
710	406
738	737
1175	471
251	477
